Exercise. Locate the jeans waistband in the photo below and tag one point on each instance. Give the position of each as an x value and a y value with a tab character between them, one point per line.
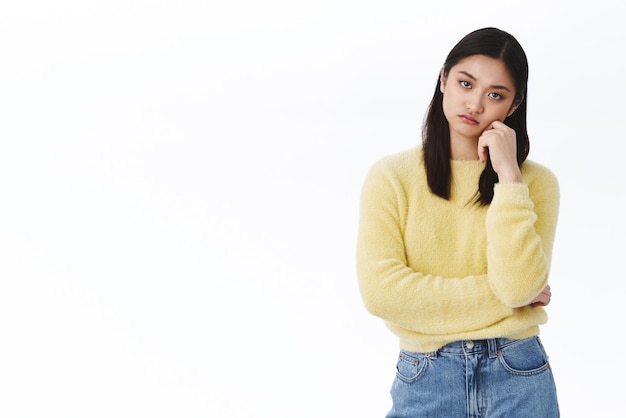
464	347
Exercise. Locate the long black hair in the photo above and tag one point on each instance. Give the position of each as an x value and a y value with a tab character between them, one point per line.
494	43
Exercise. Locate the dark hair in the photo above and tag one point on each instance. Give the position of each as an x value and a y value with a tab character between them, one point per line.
493	43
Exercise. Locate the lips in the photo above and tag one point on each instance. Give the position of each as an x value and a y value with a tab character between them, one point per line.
468	119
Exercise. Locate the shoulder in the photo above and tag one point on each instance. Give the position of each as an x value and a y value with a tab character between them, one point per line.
540	178
395	174
536	172
402	163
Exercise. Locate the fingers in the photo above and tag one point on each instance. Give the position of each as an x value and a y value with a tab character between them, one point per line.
498	142
484	142
546	293
497	124
544	298
483	152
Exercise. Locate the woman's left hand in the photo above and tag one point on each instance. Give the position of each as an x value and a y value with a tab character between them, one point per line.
542	298
498	143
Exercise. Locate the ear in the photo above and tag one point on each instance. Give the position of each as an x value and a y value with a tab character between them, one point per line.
442	80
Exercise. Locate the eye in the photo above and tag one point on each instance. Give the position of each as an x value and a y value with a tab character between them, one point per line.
496	96
465	84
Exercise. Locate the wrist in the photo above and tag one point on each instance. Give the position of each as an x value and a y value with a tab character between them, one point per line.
510	176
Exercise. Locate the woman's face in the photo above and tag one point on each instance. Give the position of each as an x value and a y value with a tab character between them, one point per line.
477	91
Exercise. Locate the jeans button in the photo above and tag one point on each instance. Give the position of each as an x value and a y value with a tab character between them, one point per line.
469	344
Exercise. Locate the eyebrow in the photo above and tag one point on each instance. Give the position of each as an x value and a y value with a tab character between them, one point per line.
493	87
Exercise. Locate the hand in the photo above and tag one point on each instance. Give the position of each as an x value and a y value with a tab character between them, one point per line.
498	142
542	298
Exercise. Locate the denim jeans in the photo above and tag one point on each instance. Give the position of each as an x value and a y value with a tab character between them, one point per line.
476	379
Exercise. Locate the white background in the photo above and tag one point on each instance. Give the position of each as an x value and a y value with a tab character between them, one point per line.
179	186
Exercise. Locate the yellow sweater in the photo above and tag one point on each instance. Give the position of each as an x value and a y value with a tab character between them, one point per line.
441	270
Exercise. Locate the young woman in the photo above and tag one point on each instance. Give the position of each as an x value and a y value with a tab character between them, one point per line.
455	242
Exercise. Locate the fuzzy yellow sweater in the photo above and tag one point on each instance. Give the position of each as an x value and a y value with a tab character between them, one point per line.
441	270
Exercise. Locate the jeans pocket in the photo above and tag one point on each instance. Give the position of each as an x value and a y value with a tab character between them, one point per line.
524	357
411	366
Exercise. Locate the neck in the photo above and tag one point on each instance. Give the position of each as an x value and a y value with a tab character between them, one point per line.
463	149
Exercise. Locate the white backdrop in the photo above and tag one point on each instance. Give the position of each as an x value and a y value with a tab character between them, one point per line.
179	186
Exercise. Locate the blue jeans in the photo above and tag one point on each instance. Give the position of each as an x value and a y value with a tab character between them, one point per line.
476	379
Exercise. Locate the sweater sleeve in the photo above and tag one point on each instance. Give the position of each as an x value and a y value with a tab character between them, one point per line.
395	292
521	225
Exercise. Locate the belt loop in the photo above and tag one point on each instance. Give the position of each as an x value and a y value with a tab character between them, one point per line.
493	348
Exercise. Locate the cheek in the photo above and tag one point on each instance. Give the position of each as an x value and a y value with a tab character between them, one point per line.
501	113
445	106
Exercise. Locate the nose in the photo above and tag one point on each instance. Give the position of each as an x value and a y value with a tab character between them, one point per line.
474	104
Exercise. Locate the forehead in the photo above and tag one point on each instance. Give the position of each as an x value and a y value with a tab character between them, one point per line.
484	69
